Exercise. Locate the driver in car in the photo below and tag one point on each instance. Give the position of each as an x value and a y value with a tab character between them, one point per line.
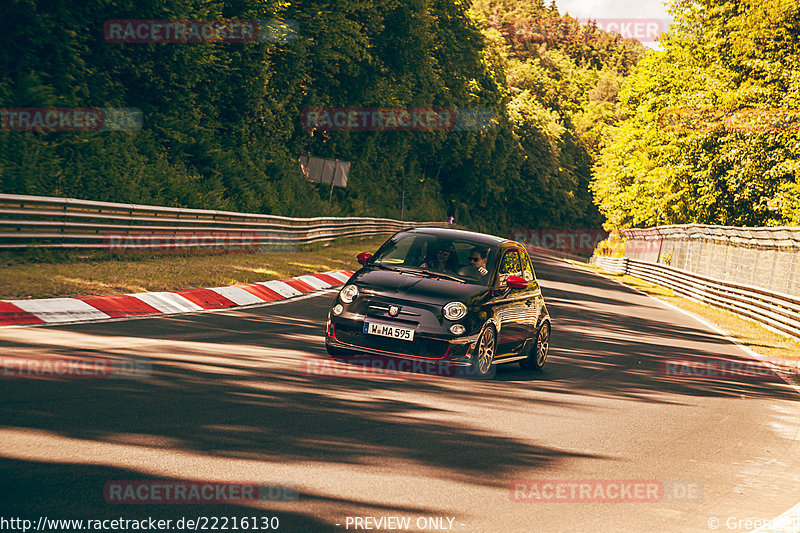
477	267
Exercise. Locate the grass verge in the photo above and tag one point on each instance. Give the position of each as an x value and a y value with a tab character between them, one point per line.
748	333
42	274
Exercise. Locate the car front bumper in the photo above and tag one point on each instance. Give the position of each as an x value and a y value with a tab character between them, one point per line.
346	333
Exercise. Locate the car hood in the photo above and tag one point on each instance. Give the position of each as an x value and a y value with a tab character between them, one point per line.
388	283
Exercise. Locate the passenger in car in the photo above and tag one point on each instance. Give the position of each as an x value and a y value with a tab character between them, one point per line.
444	260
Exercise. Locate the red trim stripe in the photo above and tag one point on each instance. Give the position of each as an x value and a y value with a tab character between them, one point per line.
392	354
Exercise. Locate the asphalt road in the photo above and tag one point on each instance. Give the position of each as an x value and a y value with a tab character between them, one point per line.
235	396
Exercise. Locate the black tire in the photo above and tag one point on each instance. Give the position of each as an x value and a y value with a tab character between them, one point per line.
482	363
538	355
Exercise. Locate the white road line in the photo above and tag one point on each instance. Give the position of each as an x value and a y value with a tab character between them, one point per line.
788	522
713	327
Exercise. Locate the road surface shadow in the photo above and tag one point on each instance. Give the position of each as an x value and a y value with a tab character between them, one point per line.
238	385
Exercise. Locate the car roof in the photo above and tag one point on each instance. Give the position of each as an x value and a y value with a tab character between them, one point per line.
482	238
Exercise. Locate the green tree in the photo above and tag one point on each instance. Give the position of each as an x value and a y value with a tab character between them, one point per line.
726	57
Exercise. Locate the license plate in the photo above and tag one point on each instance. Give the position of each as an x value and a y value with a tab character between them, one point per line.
389	330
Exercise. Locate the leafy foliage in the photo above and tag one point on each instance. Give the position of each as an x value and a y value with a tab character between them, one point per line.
222	121
613	246
726	56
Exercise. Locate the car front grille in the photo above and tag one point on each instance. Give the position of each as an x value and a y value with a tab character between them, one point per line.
431	349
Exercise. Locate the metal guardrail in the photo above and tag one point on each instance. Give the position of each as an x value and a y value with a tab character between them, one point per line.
49	222
778	311
615	265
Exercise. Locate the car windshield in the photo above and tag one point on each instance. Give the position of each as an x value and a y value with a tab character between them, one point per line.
451	259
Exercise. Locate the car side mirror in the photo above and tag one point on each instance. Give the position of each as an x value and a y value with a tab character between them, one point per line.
363	257
516	282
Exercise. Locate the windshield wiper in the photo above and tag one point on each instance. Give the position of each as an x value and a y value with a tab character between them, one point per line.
396	269
441	275
421	273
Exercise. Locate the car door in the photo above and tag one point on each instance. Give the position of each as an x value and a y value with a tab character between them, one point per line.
534	301
511	307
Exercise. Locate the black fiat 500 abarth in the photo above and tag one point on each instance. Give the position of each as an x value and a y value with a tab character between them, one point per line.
443	296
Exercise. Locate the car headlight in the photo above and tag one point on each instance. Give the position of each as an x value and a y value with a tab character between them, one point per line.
348	294
455	311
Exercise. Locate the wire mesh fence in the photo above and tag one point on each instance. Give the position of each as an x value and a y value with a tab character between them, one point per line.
761	257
